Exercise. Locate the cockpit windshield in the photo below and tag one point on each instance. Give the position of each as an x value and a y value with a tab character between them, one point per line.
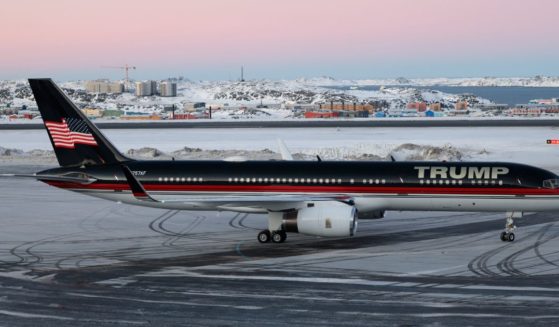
76	175
551	183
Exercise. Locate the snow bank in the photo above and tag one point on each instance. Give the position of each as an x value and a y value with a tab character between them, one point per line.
410	151
32	157
401	152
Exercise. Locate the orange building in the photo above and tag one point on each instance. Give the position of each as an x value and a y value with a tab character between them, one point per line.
347	106
436	106
419	106
316	114
461	105
140	117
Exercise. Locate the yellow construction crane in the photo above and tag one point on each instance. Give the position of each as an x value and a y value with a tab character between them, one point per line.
126	69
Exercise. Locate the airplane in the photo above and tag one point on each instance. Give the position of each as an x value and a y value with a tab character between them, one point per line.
321	198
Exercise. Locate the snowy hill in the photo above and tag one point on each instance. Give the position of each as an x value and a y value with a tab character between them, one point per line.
536	81
275	93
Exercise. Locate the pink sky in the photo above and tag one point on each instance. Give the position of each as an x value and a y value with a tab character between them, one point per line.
288	38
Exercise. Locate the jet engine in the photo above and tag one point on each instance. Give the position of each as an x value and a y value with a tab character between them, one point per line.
323	218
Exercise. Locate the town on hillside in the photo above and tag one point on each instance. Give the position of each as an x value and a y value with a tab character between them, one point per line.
181	99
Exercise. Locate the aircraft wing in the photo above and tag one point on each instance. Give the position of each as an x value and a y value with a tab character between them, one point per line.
267	203
273	202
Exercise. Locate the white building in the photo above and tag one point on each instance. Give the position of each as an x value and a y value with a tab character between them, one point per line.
168	89
146	88
104	87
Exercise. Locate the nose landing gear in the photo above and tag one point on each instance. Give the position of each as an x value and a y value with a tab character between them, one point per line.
507	235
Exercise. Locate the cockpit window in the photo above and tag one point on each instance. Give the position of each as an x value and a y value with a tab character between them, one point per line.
551	183
76	175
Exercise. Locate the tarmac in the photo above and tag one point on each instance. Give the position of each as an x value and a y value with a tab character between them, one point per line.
67	259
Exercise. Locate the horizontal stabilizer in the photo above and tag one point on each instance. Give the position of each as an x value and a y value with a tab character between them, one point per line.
54	178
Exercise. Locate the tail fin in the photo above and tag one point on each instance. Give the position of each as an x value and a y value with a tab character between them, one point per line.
76	141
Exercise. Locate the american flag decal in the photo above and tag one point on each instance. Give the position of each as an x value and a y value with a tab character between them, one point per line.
69	132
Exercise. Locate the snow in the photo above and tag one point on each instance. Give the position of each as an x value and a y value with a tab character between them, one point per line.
230	99
234	95
535	81
515	144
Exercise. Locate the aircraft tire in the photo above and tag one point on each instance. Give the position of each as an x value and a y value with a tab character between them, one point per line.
278	236
264	236
504	237
283	235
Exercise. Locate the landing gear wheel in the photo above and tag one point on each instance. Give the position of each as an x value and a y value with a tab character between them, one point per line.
507	235
283	235
504	237
264	236
279	236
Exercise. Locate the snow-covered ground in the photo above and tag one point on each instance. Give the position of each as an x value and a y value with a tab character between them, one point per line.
229	99
62	253
516	144
233	94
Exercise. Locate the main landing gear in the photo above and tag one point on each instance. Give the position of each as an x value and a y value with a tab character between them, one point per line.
278	236
275	232
507	235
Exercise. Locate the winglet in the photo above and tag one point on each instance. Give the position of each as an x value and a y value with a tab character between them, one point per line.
137	188
285	154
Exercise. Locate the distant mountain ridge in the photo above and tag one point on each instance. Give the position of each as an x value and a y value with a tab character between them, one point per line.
535	81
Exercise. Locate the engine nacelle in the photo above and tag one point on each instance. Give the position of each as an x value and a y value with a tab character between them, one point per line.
323	218
375	214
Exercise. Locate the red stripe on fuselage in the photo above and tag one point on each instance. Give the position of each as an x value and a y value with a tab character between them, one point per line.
336	189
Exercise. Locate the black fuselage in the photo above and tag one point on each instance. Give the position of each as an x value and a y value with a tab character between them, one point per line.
335	175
